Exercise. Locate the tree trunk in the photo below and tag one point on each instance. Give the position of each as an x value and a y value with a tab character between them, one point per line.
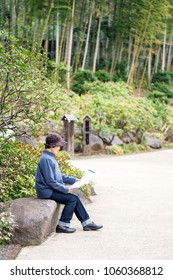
121	52
57	39
168	66
79	49
88	36
97	44
149	65
164	52
70	46
12	17
67	43
46	22
129	53
62	42
157	60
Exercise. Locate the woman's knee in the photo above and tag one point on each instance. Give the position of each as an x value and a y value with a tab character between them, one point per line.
73	198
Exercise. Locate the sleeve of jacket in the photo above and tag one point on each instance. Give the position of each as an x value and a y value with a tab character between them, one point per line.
68	179
50	179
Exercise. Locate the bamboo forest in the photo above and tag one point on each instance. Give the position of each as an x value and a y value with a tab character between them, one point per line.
109	59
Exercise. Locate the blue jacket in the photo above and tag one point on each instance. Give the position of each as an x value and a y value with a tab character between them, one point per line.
49	177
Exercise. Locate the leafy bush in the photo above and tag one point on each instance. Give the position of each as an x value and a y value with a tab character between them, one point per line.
6	226
158	95
102	76
164	88
18	162
79	79
17	169
62	73
133	148
168	146
162	77
120	72
125	149
114	150
82	76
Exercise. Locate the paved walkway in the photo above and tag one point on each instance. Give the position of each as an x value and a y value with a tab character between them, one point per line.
134	202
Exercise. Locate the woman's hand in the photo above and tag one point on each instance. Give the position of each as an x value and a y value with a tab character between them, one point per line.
70	190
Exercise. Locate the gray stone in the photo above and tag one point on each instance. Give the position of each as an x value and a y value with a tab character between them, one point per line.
35	219
117	141
27	140
153	142
94	139
169	135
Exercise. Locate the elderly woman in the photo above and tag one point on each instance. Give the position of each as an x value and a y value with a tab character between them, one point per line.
51	184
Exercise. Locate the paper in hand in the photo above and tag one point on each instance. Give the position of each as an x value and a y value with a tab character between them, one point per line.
88	177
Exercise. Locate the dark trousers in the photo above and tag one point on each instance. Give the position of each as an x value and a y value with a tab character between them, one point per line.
72	205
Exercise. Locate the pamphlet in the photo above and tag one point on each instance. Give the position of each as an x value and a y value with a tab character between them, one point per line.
88	177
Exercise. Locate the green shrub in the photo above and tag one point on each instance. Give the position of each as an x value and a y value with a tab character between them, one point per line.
6	228
82	76
79	88
162	87
120	72
102	76
162	77
114	150
168	146
133	148
79	79
125	149
18	162
61	73
158	95
17	169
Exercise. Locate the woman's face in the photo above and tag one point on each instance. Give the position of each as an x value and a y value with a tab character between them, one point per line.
55	149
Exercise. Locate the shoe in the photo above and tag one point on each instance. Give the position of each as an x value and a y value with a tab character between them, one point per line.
65	229
92	226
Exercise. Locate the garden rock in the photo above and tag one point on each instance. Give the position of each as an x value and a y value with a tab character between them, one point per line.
153	142
117	141
94	139
169	136
34	219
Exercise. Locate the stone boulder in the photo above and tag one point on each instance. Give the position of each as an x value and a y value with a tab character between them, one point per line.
169	136
153	142
34	218
117	141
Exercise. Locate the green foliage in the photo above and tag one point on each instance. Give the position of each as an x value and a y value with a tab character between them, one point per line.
24	90
158	95
18	162
102	76
162	77
17	170
82	76
61	73
28	98
133	148
162	87
114	150
125	149
161	92
168	145
114	110
120	72
6	227
79	79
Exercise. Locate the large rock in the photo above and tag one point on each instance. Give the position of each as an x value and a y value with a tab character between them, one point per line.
117	141
153	142
169	135
35	219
